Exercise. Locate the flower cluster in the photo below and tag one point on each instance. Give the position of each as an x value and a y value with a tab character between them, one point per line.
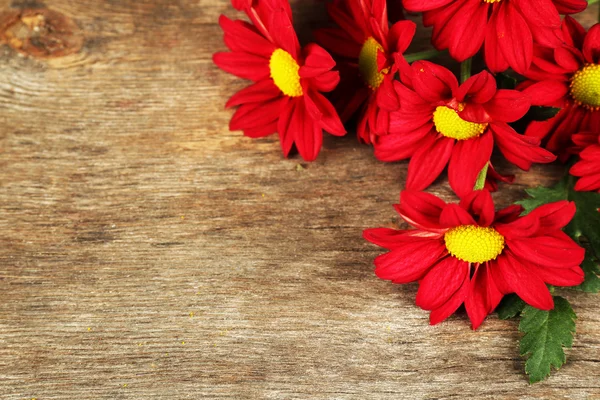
536	99
468	253
286	96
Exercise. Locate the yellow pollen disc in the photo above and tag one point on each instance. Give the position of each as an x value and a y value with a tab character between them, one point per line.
492	1
367	63
448	123
284	72
585	86
474	244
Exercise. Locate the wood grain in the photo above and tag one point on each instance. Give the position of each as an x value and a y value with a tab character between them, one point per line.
149	253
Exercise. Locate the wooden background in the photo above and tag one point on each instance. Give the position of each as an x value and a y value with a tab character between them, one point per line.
146	252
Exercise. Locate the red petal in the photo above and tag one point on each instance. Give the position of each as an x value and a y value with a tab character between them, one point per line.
428	163
479	88
468	159
260	91
283	32
323	113
410	262
494	58
394	238
284	125
405	123
570	6
589	183
308	136
560	276
474	112
483	297
446	309
585	139
584	167
395	147
261	131
440	283
568	58
507	105
591	45
254	115
509	214
454	215
553	216
514	37
242	37
539	12
386	96
480	203
412	103
325	82
400	36
519	149
552	250
518	228
243	65
420	5
433	82
573	32
317	61
524	282
468	28
546	93
421	210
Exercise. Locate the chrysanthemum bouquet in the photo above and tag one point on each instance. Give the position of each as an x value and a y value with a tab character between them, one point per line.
535	97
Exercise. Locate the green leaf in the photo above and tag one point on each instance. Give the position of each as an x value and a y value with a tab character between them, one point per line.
585	226
546	333
480	182
541	113
510	306
505	81
591	268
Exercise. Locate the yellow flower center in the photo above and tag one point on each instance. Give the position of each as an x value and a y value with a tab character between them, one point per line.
492	1
448	123
284	72
367	63
585	86
474	244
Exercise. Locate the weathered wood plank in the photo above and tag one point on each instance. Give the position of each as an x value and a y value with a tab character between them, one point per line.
148	252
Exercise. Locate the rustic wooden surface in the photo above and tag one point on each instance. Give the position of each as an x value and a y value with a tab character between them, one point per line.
146	252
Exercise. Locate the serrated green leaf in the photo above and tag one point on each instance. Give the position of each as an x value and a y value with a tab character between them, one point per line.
585	226
546	333
542	195
510	306
591	268
541	113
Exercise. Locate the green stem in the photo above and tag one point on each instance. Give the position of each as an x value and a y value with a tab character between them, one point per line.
480	182
422	55
465	70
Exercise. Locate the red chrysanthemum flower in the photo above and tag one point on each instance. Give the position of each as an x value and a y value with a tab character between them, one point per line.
567	77
467	253
369	52
285	97
588	166
506	28
443	123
